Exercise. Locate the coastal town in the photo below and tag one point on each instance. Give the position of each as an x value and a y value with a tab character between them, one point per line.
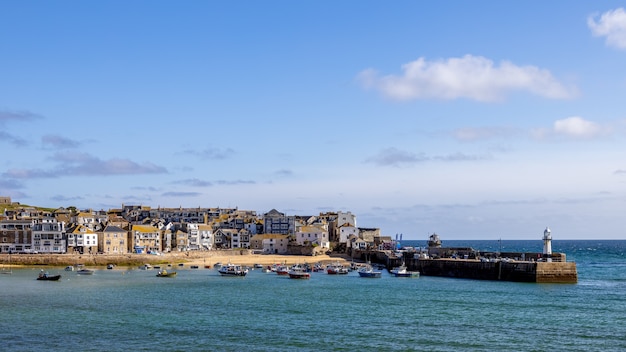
140	229
134	233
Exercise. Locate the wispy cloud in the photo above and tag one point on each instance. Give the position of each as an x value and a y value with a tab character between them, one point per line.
620	172
472	134
211	153
181	194
573	127
9	138
144	188
6	116
62	198
194	182
283	172
397	158
471	77
612	25
235	182
83	164
59	142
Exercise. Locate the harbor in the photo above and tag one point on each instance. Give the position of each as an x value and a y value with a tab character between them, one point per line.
124	309
469	263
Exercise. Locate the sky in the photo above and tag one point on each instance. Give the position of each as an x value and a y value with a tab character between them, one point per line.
473	120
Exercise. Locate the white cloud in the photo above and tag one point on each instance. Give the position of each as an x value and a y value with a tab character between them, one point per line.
577	127
573	127
472	77
612	25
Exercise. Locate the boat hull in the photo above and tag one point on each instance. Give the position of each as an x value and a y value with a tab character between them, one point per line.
166	275
373	274
49	278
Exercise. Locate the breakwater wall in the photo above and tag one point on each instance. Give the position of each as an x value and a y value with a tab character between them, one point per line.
504	270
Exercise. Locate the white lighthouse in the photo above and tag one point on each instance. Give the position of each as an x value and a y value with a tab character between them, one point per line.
547	242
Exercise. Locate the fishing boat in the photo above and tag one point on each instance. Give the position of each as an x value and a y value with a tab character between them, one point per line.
232	270
44	276
85	272
368	271
401	271
282	270
336	269
299	273
164	273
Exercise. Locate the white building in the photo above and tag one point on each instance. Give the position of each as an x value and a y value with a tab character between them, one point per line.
49	236
308	235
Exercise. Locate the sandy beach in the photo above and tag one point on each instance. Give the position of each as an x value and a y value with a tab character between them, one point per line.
200	259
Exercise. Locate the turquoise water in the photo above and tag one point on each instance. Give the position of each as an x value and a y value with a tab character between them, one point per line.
115	310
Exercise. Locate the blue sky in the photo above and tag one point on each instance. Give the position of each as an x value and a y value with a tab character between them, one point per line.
475	120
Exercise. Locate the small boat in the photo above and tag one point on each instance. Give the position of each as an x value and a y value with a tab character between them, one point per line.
282	270
232	270
145	267
368	271
298	273
401	271
194	267
207	266
44	276
336	270
258	266
85	272
69	268
110	266
164	273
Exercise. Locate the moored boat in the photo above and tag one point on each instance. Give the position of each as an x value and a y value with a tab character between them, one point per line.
44	276
299	274
282	270
368	271
401	271
232	270
336	270
164	273
85	272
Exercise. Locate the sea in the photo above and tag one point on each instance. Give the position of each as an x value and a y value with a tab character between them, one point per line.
129	309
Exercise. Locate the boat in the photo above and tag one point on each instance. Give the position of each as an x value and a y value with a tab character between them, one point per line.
85	272
145	267
298	273
194	267
258	266
44	276
282	270
336	270
401	271
232	270
368	271
110	266
164	273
